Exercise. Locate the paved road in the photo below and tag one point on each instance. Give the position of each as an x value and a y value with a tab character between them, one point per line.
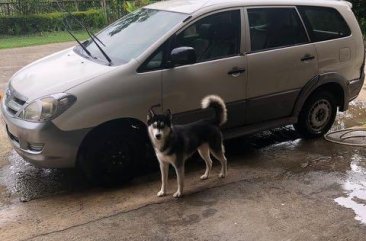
279	187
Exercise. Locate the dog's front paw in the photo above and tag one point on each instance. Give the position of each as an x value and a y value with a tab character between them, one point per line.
161	193
178	194
204	177
221	175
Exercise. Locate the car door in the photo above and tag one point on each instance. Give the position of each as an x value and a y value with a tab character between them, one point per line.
281	61
220	68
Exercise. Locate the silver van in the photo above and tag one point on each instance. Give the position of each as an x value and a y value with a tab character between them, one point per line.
274	62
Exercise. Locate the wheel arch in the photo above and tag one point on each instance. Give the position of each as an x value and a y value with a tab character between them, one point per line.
332	82
123	124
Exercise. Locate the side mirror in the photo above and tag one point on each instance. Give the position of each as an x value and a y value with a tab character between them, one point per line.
183	56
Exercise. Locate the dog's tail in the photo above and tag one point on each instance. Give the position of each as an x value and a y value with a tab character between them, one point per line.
218	105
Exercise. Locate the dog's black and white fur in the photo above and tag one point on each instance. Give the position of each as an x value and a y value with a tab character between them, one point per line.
174	144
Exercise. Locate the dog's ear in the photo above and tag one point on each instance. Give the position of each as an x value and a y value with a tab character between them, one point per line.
168	113
150	115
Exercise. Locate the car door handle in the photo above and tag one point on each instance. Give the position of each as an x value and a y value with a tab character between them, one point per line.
236	71
307	57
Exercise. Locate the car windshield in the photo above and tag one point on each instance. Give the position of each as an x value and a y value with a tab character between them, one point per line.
130	36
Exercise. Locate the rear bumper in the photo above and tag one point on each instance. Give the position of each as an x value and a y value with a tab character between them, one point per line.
355	87
43	144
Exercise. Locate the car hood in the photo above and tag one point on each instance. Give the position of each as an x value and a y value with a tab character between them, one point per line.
55	73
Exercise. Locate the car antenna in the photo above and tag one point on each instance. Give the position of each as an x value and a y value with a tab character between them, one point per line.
91	35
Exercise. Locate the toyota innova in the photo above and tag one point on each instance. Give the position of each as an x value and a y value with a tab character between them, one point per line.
274	62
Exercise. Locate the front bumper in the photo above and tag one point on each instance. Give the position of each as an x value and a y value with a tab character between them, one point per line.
43	144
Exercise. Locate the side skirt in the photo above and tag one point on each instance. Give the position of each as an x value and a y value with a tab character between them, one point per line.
253	128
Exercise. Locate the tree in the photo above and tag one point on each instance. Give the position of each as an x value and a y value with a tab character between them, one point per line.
76	5
359	7
103	3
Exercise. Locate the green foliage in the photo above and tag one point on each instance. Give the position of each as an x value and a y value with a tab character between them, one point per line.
26	7
363	26
359	7
29	7
131	6
27	24
112	9
13	41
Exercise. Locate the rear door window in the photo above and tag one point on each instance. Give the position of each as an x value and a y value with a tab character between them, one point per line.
275	27
324	23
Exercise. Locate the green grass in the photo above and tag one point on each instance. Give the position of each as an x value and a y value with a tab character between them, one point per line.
8	41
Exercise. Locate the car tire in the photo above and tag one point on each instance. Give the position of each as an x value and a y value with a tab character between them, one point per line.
317	115
110	157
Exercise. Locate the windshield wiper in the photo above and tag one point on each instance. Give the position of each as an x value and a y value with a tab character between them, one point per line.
93	38
72	35
101	50
91	35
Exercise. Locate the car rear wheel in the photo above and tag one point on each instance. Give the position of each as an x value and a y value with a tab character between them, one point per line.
317	115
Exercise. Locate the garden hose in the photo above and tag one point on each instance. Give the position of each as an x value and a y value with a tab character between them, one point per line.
350	136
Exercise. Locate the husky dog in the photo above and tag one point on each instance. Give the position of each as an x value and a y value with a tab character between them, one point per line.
174	144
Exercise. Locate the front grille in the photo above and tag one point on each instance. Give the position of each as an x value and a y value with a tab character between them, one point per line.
19	101
13	101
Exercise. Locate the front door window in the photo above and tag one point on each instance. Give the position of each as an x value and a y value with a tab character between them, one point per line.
214	37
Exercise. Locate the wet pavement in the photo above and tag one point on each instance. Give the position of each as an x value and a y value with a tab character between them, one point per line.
355	188
279	187
26	182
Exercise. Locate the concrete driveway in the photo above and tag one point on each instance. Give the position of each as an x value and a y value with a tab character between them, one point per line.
279	187
11	60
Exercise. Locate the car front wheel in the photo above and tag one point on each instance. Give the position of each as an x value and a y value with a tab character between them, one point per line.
110	157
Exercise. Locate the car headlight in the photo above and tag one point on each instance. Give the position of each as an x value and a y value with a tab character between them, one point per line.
47	108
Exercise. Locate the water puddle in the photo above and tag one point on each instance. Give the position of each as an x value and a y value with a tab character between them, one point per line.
354	185
355	188
27	182
354	116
